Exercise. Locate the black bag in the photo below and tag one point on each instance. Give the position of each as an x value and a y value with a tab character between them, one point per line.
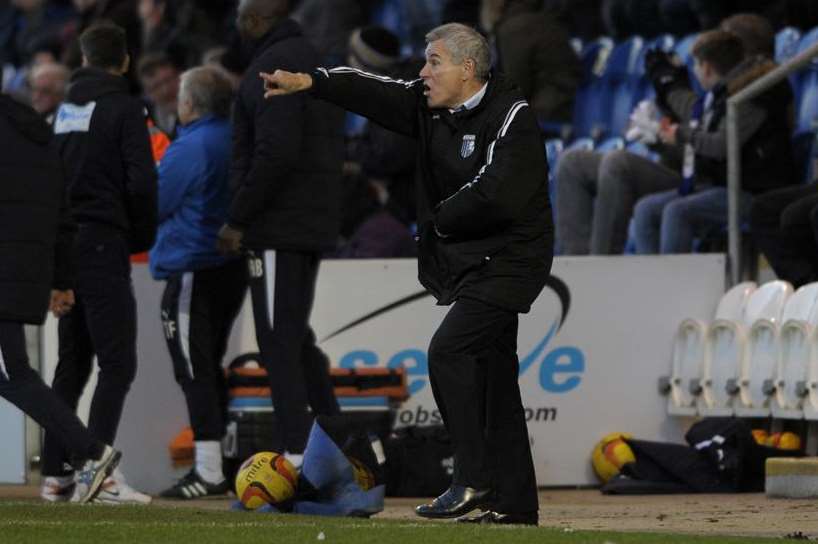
419	462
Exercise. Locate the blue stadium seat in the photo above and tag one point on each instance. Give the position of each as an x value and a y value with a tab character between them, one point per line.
683	51
587	108
389	14
806	102
353	124
807	40
626	69
638	148
619	87
786	44
553	149
803	80
614	143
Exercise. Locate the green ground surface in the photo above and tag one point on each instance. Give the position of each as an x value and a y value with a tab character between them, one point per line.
32	523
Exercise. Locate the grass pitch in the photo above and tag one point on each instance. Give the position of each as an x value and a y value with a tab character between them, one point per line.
33	523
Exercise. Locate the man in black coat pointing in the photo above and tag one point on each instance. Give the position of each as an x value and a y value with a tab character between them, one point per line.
485	246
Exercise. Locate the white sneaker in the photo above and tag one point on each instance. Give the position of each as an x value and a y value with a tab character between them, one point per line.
57	488
88	480
115	490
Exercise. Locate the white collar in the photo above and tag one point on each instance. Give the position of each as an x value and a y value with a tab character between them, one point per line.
475	99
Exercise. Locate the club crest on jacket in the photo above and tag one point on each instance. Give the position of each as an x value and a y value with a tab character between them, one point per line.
468	145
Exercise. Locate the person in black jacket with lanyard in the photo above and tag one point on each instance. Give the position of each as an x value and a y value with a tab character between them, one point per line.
102	137
485	246
34	245
286	179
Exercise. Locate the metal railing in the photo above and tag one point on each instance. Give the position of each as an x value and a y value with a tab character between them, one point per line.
734	151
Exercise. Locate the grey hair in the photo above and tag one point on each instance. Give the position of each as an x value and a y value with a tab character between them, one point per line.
464	42
208	90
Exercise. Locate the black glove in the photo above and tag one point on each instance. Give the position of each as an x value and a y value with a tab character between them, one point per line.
665	73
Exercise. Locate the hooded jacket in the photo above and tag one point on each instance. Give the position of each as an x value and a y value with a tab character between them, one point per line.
31	197
102	136
485	229
287	154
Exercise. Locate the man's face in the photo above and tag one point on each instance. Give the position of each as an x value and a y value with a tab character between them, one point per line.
248	22
162	87
705	74
443	79
47	91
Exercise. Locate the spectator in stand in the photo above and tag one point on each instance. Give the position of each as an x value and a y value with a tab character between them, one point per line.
329	23
668	222
34	23
48	85
596	192
534	51
756	33
161	34
784	225
379	173
581	18
204	290
122	13
159	78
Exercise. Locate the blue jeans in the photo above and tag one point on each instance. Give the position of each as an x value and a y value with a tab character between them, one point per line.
667	222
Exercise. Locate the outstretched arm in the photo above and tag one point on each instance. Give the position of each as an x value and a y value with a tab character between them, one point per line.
392	103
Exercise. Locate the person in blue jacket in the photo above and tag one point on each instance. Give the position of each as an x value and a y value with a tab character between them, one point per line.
204	289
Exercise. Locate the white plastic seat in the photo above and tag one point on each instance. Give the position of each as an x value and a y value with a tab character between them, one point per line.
726	347
796	379
687	357
770	344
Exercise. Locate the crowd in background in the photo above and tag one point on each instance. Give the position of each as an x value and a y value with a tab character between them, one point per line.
531	41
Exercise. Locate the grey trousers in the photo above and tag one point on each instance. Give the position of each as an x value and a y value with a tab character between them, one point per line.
596	194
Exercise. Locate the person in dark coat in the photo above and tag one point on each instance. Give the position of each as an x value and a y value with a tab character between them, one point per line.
535	52
102	137
285	176
485	246
34	246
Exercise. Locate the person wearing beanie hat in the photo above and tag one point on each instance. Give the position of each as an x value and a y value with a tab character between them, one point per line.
373	48
384	159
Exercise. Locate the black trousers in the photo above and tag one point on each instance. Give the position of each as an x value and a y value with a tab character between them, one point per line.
784	223
474	369
102	324
282	285
198	310
24	388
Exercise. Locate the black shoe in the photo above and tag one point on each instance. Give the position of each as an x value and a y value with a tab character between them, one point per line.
495	518
457	501
193	486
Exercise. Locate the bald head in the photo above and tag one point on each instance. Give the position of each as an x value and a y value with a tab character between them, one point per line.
256	17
